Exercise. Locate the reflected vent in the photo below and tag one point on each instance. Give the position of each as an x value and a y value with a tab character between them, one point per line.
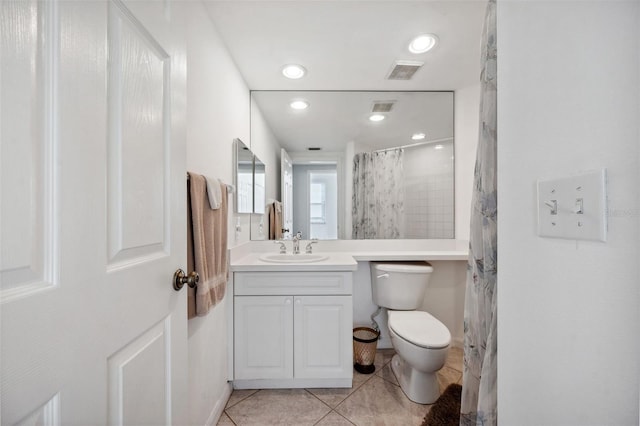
404	70
382	106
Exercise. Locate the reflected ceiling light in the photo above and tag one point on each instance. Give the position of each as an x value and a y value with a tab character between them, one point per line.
418	136
423	43
293	71
299	104
376	117
438	147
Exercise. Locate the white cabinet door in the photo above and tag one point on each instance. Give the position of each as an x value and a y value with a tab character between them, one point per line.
263	337
92	217
322	334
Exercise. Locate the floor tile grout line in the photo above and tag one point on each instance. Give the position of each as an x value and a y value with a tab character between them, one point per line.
240	400
334	411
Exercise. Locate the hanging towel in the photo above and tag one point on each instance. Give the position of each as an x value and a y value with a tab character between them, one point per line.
206	246
274	211
214	192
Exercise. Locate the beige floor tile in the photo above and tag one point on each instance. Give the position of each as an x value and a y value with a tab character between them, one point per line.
359	379
278	407
387	373
379	402
454	358
446	376
334	419
238	395
383	357
333	396
225	421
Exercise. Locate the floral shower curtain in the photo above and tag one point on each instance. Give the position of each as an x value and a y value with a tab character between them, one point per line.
378	203
479	392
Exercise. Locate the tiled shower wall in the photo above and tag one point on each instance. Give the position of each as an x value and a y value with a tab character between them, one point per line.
429	191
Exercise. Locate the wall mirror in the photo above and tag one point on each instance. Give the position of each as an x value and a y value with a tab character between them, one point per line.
397	177
250	180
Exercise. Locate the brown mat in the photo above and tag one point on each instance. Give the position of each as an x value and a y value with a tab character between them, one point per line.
446	410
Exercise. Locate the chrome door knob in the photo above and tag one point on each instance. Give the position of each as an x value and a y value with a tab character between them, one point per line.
180	279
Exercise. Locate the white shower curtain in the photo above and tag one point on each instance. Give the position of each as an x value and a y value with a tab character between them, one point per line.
378	195
479	391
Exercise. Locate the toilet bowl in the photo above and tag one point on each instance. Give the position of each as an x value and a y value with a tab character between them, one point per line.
421	343
420	340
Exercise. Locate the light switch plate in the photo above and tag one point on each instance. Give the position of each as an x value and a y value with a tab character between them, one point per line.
580	207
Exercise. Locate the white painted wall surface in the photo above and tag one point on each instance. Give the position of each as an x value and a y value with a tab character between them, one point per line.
568	321
218	112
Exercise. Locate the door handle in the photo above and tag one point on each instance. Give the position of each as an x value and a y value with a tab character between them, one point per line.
180	279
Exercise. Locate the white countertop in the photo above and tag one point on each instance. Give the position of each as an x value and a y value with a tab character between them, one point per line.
334	262
345	256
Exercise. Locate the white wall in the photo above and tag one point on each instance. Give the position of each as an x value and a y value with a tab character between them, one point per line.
218	112
568	321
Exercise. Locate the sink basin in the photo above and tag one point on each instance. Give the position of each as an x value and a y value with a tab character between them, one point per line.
293	258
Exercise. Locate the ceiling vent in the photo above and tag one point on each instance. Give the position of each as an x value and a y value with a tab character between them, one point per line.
382	106
404	70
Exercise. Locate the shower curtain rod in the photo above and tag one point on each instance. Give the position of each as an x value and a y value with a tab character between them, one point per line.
414	144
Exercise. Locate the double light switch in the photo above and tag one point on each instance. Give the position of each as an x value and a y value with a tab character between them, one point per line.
573	207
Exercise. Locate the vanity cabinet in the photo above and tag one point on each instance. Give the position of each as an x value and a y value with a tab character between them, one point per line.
292	329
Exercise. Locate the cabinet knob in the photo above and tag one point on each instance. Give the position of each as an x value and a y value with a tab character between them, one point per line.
298	301
287	301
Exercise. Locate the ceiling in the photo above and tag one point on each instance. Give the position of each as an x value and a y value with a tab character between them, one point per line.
348	45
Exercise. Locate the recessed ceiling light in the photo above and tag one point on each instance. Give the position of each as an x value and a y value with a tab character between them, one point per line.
423	43
293	71
376	117
438	147
299	104
418	136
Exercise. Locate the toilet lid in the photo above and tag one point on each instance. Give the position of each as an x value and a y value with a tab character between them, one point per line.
420	328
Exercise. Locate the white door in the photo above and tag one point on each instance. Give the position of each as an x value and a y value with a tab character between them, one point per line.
92	213
323	347
263	337
286	182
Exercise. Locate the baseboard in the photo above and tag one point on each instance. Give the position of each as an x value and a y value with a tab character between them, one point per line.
218	409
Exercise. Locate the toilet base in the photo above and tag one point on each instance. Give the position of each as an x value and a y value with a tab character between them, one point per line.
419	387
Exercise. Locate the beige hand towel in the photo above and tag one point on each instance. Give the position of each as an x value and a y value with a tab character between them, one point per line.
207	246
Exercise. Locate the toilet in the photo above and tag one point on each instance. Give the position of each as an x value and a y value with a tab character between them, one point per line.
420	340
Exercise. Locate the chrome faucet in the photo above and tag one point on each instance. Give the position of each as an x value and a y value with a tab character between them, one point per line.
283	248
296	242
309	249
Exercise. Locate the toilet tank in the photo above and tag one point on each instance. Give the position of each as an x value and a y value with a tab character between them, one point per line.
399	285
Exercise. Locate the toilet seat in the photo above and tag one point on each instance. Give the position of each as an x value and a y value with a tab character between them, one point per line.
419	328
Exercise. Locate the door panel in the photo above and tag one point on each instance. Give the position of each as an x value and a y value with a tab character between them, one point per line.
139	105
26	227
92	213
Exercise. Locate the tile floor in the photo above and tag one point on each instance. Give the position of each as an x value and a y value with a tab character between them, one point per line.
374	399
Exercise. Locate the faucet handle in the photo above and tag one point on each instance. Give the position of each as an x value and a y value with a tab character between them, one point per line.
299	235
308	249
283	248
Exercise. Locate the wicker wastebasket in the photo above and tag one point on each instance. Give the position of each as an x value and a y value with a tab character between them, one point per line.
365	342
